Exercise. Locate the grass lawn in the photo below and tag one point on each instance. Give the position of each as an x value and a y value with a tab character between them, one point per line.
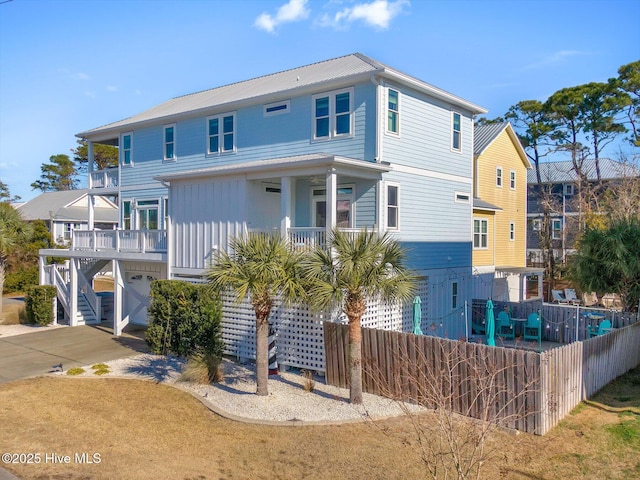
147	431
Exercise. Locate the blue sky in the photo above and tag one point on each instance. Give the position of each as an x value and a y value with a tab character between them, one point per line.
68	66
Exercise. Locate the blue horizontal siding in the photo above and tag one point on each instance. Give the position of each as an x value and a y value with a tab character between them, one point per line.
437	255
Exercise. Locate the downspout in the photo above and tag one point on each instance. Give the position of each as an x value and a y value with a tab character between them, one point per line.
378	152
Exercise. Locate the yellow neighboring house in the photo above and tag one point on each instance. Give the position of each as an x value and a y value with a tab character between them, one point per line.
500	216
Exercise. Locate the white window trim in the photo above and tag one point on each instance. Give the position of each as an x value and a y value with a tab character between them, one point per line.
512	231
220	118
536	224
399	113
456	150
554	230
130	135
132	207
512	179
164	142
286	104
501	177
386	206
567	187
332	115
138	208
458	199
351	197
473	241
456	296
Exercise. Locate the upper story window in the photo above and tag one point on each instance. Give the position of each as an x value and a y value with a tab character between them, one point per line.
512	180
125	151
126	214
332	114
393	207
456	138
568	189
393	111
221	133
498	177
170	142
454	295
480	233
536	224
277	108
556	228
512	231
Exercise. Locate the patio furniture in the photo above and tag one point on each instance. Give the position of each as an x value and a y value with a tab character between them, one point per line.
602	328
571	297
558	296
533	327
504	326
590	299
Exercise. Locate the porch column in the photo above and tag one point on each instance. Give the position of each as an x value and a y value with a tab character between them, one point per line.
332	196
73	292
91	200
41	273
118	297
285	205
90	159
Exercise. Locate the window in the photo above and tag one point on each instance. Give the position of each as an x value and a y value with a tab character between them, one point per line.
170	142
125	152
126	214
332	115
277	108
393	207
512	180
536	225
498	177
393	111
147	215
221	134
455	131
556	229
480	233
512	231
454	295
68	230
462	197
568	189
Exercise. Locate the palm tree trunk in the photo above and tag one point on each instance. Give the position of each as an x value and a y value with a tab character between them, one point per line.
2	271
262	354
355	360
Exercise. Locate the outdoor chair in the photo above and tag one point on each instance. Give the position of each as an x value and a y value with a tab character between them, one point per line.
571	297
558	296
590	299
504	326
600	329
478	328
533	327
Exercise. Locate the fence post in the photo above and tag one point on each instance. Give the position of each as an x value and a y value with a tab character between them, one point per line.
466	321
577	321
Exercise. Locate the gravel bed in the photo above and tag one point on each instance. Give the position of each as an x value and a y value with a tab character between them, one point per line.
287	400
19	329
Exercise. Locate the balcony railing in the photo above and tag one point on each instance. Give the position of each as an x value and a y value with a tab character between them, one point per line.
307	238
137	241
107	178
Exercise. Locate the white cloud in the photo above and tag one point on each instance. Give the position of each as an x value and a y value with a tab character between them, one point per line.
377	14
89	93
554	58
112	88
289	12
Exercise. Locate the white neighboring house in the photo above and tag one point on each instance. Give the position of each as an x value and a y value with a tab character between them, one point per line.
68	210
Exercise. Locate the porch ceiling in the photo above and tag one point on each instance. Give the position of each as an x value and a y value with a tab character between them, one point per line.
300	165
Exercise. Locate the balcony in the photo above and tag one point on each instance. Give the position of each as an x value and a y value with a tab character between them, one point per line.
128	241
104	179
307	238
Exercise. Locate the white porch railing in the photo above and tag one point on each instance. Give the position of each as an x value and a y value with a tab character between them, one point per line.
140	241
62	287
94	301
107	178
306	238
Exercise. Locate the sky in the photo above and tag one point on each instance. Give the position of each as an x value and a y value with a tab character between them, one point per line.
67	66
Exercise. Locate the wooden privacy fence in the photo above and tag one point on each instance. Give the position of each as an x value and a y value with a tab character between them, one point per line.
519	389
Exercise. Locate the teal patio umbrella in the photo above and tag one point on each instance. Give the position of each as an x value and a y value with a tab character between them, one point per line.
490	325
417	316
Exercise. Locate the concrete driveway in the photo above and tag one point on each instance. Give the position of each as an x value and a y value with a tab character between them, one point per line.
33	354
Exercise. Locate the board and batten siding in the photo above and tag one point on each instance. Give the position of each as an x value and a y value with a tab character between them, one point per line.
258	137
502	153
204	215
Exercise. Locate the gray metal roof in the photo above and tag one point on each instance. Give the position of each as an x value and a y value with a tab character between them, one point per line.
59	206
346	68
480	204
483	135
563	172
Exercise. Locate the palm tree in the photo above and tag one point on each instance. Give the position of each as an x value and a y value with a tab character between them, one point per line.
262	267
350	271
13	231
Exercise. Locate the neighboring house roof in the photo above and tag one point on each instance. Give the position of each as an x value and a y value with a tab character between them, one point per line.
479	204
354	67
485	135
563	172
67	206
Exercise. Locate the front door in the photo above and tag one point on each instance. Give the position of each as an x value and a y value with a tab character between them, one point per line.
148	215
344	207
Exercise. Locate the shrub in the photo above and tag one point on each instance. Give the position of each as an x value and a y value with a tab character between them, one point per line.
203	368
20	280
185	319
75	371
38	304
